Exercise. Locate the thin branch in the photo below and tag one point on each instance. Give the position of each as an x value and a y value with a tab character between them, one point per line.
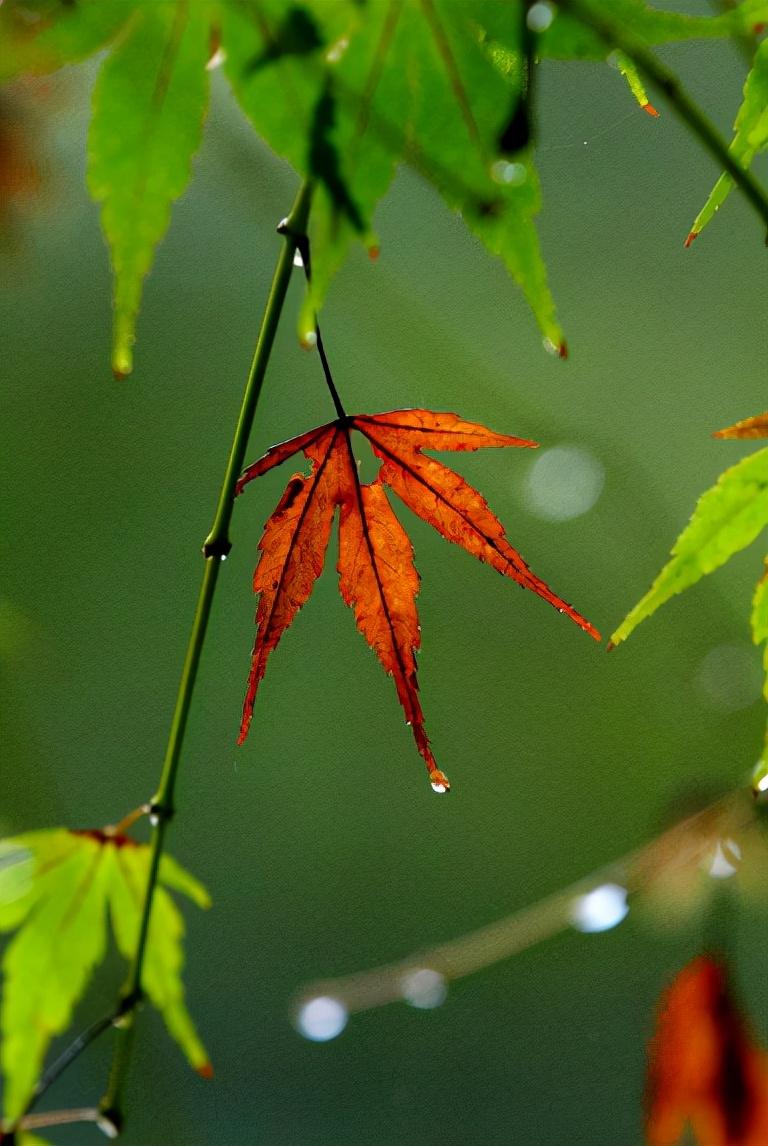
74	1050
302	244
215	549
617	35
681	847
127	822
60	1118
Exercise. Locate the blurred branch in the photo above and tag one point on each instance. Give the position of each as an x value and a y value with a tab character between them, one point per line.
678	850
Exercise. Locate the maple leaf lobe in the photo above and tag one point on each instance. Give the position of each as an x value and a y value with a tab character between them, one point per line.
755	427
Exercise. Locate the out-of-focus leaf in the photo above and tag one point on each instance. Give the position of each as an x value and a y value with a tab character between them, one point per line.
705	1069
149	106
173	875
25	1139
57	888
759	623
408	80
759	620
751	137
39	36
727	518
164	958
567	38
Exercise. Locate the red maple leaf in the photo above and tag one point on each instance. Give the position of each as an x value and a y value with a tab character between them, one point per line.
705	1070
377	577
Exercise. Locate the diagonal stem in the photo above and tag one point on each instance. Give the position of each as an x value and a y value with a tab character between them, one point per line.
616	35
215	549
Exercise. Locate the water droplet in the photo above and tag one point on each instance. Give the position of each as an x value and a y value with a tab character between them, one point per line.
322	1019
337	50
540	16
729	677
424	988
107	1126
760	779
154	819
297	259
725	860
439	781
563	483
510	174
308	340
216	60
600	909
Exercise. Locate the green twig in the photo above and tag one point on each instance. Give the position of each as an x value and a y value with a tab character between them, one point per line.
215	549
618	36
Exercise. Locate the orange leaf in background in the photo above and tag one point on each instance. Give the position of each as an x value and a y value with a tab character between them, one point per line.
756	427
704	1069
377	577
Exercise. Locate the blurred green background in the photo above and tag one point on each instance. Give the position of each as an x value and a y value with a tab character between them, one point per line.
320	840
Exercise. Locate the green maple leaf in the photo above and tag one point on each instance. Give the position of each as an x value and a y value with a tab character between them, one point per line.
750	138
149	106
57	890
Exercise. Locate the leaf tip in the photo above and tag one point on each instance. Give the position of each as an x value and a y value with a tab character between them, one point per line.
205	1070
562	349
611	646
122	362
650	109
373	252
689	238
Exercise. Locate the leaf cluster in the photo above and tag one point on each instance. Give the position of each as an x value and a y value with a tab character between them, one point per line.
345	92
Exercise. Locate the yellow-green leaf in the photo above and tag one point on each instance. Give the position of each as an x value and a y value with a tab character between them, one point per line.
50	960
727	518
759	621
58	888
164	957
149	106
